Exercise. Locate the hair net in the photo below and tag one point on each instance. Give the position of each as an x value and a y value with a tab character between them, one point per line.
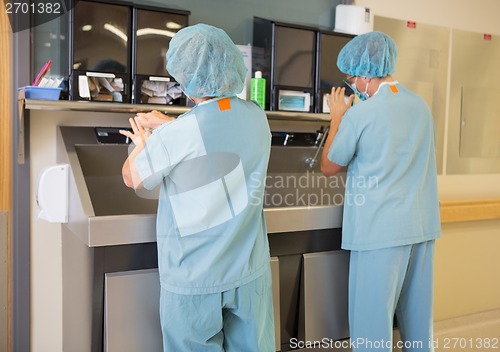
369	55
205	61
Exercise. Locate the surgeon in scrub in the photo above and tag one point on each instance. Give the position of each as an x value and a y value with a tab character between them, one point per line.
211	164
391	208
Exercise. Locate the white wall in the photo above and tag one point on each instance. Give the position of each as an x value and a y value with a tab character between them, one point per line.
475	16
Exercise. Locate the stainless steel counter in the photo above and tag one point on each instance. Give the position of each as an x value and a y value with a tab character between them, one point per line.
141	228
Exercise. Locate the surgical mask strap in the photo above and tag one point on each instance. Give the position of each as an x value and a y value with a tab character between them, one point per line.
366	90
187	96
361	95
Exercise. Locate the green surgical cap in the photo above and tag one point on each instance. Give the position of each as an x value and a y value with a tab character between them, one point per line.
206	62
369	55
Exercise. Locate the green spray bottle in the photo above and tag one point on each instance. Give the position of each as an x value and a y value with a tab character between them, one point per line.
258	89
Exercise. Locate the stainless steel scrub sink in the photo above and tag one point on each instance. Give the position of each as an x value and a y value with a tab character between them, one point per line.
103	211
297	169
102	166
299	197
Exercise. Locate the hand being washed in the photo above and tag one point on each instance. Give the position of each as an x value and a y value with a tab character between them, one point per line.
138	135
153	119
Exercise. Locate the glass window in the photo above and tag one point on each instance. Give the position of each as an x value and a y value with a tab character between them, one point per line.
101	37
294	57
329	74
154	31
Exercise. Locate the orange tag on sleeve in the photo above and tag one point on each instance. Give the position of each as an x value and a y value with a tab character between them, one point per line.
224	104
394	89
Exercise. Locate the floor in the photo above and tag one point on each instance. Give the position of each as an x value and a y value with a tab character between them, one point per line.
474	333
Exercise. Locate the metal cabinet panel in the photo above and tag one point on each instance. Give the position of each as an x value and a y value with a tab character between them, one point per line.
275	274
131	311
324	299
473	124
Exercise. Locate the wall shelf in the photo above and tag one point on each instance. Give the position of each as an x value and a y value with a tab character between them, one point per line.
66	105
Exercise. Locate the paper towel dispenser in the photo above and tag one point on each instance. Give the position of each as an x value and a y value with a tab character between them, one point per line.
353	19
52	193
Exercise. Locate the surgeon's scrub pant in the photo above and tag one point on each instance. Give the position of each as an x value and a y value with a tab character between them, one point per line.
237	320
387	281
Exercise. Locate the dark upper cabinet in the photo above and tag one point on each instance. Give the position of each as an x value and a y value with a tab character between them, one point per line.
328	74
153	31
298	62
101	48
286	55
294	57
102	37
117	52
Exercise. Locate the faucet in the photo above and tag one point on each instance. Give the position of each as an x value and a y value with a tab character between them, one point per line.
320	140
288	138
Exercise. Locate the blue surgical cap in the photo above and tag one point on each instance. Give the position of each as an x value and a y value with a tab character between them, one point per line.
372	54
206	62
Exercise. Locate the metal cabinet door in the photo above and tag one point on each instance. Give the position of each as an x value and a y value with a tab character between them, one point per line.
131	311
324	297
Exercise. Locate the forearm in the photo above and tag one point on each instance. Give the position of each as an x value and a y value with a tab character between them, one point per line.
329	168
338	105
139	137
130	174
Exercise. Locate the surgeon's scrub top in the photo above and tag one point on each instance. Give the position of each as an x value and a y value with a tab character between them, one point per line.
211	163
388	143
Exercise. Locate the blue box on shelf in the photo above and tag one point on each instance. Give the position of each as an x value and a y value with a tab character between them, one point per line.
40	93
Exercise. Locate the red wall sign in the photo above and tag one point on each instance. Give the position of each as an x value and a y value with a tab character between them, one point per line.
411	24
